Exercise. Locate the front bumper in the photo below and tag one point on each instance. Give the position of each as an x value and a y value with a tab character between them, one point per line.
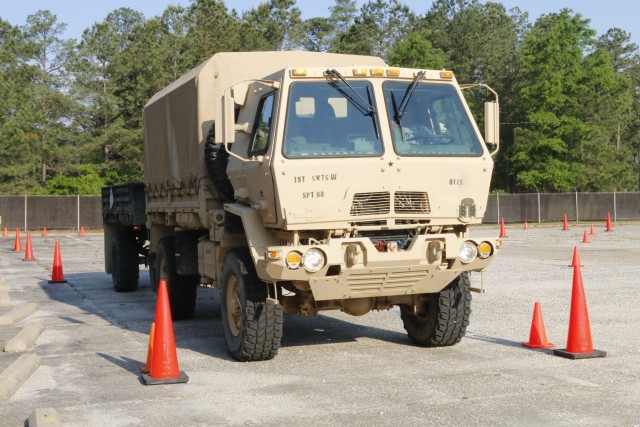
356	269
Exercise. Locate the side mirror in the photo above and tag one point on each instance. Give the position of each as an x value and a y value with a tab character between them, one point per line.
225	120
492	125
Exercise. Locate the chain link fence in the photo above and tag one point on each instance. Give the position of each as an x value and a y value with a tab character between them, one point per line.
542	207
63	212
73	212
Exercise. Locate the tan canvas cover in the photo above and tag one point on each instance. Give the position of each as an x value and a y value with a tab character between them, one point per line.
178	118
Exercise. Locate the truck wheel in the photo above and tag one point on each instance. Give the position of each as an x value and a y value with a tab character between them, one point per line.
181	289
252	326
124	261
440	319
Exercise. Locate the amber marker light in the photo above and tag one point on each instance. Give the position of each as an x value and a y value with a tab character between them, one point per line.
446	75
298	72
359	71
273	255
376	72
293	260
393	72
484	250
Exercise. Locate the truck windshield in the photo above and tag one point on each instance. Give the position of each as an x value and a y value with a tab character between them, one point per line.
325	120
434	121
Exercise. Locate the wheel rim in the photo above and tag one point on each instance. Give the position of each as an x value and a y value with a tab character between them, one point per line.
234	307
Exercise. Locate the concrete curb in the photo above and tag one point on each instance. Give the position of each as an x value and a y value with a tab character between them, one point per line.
5	299
44	417
25	338
17	373
18	314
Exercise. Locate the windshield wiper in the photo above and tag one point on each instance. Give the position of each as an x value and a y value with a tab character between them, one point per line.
401	110
362	104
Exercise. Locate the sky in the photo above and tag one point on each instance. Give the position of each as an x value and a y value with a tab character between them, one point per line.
603	14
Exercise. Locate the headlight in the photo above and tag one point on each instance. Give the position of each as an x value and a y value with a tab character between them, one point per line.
484	250
468	252
313	260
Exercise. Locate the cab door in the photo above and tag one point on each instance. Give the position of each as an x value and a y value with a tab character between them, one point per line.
254	175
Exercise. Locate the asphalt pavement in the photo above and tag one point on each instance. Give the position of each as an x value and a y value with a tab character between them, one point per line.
335	369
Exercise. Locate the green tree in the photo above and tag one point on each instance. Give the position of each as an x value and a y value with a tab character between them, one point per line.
273	25
343	14
98	68
380	25
20	165
210	28
50	54
483	44
416	51
82	180
570	97
626	62
317	34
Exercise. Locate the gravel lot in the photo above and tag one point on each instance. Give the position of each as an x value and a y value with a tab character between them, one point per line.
335	369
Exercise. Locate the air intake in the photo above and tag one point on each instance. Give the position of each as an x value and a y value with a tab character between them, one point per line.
411	202
371	204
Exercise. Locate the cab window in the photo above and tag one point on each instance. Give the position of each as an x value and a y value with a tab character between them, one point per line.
434	122
325	119
262	126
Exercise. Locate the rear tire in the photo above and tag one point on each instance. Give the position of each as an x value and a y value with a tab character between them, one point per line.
440	319
124	261
181	289
252	327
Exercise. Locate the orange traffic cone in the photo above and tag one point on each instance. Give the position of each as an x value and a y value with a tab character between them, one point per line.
585	238
565	224
28	252
17	246
56	271
44	232
538	335
579	344
526	226
164	360
147	367
609	228
503	232
6	232
575	261
81	231
593	231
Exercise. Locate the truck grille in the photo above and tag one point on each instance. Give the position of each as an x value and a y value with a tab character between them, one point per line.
371	203
376	282
404	202
411	202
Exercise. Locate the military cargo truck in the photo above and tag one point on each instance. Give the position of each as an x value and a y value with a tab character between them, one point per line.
297	182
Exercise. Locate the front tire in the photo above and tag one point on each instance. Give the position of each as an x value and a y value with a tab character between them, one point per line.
252	326
181	289
124	261
440	319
